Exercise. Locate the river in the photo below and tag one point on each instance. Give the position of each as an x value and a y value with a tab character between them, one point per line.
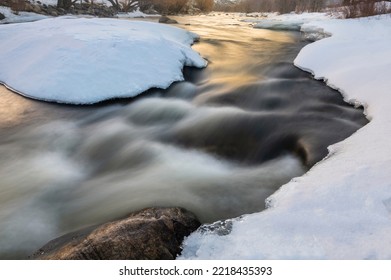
217	144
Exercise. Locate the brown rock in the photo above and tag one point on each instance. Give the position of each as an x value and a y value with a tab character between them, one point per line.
150	234
166	19
36	9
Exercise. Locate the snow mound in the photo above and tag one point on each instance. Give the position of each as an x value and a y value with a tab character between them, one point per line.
84	61
341	209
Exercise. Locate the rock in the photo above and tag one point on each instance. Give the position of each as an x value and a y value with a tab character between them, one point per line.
28	7
61	11
36	9
150	234
54	13
166	19
50	9
2	16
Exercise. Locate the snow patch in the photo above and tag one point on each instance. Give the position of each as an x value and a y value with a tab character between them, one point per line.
136	14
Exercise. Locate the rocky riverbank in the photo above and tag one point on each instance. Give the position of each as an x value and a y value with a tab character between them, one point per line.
38	7
150	234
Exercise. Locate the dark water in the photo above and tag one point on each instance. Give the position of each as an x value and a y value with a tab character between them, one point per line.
217	144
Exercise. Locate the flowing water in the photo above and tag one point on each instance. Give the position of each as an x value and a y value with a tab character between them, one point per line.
217	144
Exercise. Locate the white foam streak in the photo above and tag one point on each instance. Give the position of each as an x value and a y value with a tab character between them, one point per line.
73	175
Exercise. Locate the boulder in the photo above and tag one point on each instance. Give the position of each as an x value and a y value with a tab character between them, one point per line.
61	11
2	16
150	234
166	19
36	9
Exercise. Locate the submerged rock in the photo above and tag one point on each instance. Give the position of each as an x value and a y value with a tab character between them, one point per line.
150	234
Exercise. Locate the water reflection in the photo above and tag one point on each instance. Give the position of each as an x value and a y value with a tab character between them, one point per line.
12	113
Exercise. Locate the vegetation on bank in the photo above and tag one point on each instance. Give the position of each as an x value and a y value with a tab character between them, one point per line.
281	6
350	8
157	6
177	6
359	8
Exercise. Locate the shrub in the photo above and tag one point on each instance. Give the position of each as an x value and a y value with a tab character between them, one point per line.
124	5
204	5
281	6
360	8
164	6
17	5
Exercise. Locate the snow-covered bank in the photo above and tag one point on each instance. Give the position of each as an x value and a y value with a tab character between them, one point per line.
291	21
136	14
10	17
341	209
82	61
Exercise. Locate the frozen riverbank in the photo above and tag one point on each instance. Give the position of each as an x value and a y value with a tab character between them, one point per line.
341	208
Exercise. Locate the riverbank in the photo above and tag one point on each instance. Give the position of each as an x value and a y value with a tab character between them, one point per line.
340	209
318	215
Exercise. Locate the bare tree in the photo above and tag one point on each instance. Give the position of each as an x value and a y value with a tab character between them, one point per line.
164	6
359	8
282	6
125	5
65	4
310	5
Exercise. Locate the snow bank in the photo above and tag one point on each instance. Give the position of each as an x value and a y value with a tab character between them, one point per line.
83	61
136	14
291	21
341	209
10	17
